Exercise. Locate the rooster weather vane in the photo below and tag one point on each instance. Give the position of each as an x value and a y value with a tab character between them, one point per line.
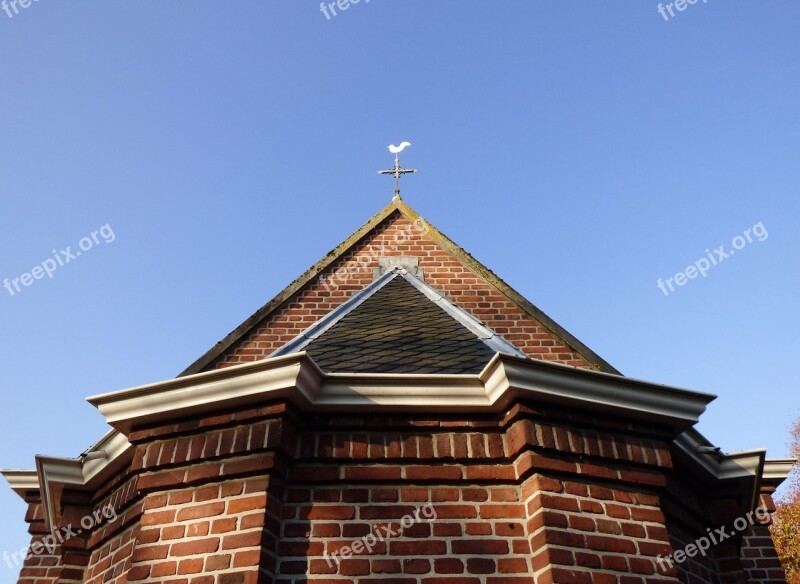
397	171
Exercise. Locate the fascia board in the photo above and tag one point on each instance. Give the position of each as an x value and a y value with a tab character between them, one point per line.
720	466
293	375
22	481
113	450
740	465
54	471
745	468
297	378
508	377
398	392
777	470
83	473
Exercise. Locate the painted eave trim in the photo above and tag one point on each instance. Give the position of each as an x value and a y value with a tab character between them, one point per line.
713	466
91	468
22	481
594	390
292	376
717	465
777	470
85	473
298	379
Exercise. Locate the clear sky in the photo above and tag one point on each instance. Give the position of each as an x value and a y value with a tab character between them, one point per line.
582	150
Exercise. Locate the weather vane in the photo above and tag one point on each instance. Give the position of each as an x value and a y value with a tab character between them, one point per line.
397	171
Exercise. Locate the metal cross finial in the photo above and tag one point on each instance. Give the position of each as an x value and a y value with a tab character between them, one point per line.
397	171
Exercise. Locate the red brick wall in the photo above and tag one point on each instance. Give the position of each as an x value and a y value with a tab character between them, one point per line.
45	567
689	513
397	236
586	533
211	505
491	482
759	558
212	533
461	532
268	494
111	561
743	556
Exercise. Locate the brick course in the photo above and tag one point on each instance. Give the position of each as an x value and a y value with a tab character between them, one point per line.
267	494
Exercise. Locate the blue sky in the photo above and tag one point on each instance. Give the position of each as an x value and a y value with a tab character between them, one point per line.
582	150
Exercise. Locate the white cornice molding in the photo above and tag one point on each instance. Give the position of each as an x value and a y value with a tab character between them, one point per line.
83	472
777	470
297	378
716	464
22	481
397	393
746	467
744	464
86	472
508	377
292	376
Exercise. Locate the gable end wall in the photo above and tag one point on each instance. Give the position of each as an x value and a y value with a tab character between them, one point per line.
397	236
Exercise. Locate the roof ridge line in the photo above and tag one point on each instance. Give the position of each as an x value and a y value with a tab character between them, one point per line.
240	331
506	290
398	205
483	333
469	321
319	328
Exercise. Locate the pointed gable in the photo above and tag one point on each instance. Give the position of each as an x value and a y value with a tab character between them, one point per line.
399	232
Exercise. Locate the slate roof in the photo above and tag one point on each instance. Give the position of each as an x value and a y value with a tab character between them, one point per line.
399	324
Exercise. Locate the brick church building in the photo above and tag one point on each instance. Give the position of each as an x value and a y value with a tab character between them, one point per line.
400	415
